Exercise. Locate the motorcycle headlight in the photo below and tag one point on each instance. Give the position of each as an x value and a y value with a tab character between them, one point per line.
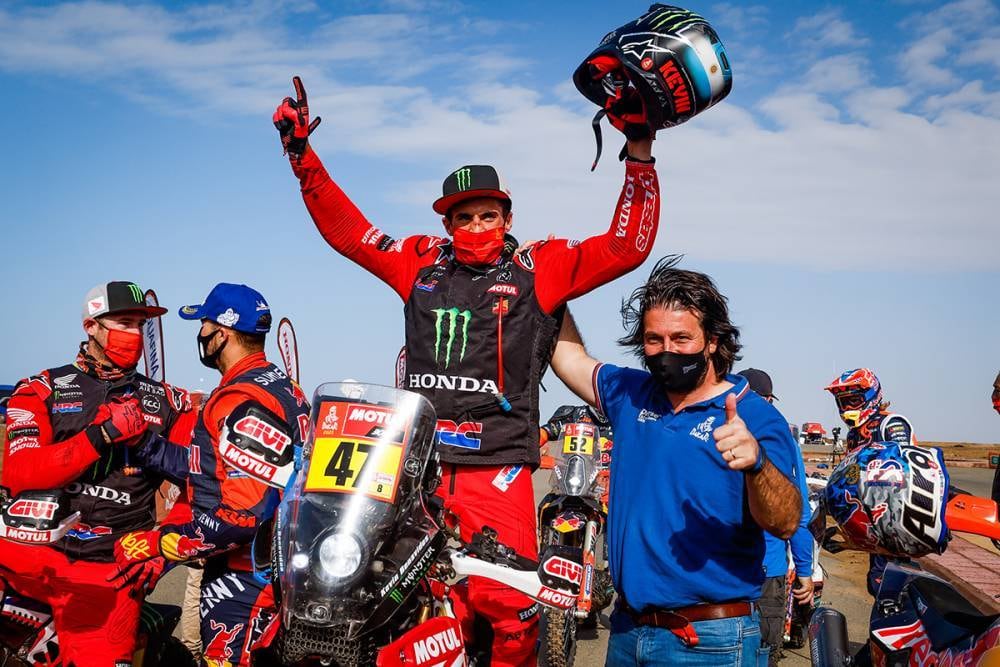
576	476
339	555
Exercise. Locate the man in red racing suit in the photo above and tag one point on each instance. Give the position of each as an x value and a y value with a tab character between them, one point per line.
80	427
481	319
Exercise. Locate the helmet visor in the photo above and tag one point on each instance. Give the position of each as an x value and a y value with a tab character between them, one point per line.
850	401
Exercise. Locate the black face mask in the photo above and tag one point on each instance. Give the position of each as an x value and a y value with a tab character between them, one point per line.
209	360
677	372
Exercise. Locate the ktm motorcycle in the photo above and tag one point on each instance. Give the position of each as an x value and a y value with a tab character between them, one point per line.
917	618
573	515
27	630
358	553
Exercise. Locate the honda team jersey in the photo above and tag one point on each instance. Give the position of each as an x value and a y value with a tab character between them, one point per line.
473	332
48	447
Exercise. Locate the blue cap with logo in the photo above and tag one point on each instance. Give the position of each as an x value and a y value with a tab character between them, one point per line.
235	306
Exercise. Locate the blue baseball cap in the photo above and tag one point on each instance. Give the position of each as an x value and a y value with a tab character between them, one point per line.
235	306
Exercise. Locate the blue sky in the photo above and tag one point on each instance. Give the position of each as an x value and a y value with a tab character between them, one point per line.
844	196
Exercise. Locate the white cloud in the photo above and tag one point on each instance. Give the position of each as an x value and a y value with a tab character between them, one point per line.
827	29
919	62
737	19
832	169
970	96
838	74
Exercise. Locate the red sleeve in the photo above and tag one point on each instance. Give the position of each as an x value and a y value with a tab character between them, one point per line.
565	270
31	460
182	430
346	229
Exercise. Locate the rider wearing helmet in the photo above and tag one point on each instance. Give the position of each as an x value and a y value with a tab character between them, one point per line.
81	427
858	394
481	319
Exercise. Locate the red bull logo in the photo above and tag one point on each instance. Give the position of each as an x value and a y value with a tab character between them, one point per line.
858	524
218	646
191	546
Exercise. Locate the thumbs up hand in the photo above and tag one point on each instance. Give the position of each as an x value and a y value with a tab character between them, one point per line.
734	441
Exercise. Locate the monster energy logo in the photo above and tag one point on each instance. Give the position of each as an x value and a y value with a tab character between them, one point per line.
672	20
463	179
451	315
396	596
136	292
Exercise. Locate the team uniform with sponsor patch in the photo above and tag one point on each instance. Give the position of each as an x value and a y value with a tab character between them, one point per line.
882	427
252	421
50	444
478	339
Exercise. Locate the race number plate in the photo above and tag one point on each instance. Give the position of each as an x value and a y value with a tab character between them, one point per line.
578	439
355	465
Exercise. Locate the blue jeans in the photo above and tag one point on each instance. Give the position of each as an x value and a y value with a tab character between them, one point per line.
726	641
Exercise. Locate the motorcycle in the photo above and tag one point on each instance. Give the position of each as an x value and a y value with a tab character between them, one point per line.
357	550
573	515
917	618
27	629
797	615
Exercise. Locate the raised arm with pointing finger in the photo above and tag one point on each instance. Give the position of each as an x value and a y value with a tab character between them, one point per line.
481	317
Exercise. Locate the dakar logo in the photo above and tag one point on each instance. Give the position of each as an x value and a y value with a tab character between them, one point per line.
135	548
449	317
463	179
703	430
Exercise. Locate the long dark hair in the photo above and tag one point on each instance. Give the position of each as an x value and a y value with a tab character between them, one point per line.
670	287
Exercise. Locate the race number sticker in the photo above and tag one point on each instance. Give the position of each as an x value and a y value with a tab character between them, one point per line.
355	465
578	439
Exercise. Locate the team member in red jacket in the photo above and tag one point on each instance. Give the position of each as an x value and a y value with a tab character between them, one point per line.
81	427
481	319
253	420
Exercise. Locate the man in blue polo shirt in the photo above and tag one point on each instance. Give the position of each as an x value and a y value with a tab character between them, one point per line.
702	468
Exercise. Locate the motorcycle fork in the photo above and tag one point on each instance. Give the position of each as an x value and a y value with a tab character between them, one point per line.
584	601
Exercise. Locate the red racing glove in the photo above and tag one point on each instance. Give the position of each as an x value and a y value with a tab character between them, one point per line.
292	120
121	419
625	109
140	575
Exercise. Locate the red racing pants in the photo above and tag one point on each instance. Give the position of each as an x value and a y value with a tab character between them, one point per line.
502	498
96	624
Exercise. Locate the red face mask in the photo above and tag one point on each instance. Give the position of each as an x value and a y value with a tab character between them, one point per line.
124	348
477	247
